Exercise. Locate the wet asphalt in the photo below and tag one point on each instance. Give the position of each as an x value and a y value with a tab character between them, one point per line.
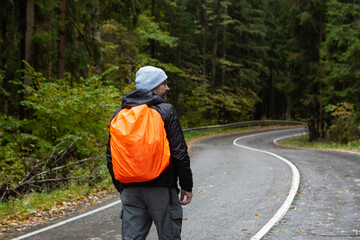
237	191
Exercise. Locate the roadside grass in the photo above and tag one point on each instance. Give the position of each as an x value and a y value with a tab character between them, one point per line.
303	141
41	201
18	209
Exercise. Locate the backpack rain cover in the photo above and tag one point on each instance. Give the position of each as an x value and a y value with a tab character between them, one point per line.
139	148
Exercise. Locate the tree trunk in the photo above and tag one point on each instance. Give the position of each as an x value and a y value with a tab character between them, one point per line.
97	38
29	32
152	41
321	118
288	112
215	46
98	52
61	56
203	50
51	63
224	49
272	95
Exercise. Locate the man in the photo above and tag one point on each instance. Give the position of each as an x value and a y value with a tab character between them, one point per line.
155	200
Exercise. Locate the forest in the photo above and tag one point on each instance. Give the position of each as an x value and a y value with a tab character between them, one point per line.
65	65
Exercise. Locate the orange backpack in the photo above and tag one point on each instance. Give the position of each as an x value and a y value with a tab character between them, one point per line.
139	148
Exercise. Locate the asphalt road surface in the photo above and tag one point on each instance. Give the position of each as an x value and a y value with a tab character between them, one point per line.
237	191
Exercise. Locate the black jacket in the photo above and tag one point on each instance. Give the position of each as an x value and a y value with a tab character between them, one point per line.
179	166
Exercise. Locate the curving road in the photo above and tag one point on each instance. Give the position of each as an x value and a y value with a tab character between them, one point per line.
237	191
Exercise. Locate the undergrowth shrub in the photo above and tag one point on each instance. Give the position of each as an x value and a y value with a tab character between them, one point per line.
343	128
63	137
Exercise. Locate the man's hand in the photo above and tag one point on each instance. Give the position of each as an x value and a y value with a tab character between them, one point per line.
188	195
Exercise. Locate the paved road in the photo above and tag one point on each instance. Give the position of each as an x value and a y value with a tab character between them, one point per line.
237	191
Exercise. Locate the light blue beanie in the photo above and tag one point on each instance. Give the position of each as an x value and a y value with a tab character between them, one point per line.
149	77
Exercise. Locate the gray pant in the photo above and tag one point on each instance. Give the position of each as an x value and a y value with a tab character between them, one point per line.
142	205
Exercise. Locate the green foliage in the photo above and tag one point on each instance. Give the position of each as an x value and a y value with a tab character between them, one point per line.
66	124
355	144
343	127
129	50
227	61
11	150
150	30
224	105
304	24
62	112
340	53
250	51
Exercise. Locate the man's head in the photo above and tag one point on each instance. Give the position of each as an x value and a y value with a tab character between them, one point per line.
152	78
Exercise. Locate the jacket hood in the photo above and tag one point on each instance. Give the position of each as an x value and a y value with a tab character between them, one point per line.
139	97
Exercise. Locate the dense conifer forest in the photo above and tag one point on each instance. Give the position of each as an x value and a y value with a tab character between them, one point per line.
65	64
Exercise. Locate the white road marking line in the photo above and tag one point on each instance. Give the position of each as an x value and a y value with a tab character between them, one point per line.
293	189
67	221
119	201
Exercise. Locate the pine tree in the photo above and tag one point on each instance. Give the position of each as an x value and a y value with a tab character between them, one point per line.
302	86
341	53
